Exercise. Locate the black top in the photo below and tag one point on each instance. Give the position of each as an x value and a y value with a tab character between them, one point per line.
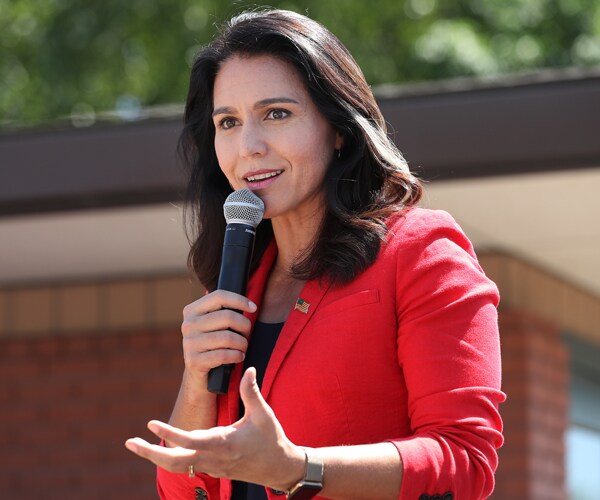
262	343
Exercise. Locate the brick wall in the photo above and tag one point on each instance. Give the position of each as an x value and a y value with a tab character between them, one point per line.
84	366
535	378
535	309
69	403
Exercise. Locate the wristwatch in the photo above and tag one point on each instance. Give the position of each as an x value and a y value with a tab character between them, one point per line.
312	482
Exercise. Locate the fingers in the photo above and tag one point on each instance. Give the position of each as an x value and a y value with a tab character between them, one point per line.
249	391
171	459
255	405
219	299
219	310
214	333
201	361
204	439
222	319
213	349
187	446
220	339
173	435
154	451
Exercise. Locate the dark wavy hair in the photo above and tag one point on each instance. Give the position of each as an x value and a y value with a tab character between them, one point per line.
368	182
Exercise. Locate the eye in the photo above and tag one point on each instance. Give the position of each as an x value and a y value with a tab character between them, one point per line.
278	114
227	123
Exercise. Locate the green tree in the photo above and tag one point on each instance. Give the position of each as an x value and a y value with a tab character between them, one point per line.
61	58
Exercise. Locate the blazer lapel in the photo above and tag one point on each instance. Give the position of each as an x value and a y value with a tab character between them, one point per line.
310	297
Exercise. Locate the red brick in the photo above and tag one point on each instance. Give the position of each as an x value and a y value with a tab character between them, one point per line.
535	377
71	404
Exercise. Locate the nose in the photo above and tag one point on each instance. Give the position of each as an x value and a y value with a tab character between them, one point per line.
252	143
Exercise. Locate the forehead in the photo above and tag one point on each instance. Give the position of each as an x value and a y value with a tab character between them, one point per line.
257	77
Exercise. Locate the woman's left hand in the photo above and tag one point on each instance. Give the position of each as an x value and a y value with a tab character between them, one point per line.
254	449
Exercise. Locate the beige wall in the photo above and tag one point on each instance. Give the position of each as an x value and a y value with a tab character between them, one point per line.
105	306
528	288
157	302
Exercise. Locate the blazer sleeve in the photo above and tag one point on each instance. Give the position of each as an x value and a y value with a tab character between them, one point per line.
449	351
172	486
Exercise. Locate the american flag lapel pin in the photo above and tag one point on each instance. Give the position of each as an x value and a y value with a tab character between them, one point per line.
302	305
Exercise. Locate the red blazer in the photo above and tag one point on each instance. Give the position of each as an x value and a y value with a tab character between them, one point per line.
408	352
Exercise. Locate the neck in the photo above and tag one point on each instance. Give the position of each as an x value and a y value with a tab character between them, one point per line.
283	289
293	239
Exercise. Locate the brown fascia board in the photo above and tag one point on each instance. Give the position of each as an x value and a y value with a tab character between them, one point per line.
447	130
519	125
100	166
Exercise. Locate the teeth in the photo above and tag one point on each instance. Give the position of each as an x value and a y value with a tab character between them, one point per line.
261	177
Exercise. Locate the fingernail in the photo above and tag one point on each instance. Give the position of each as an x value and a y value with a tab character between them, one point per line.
131	446
252	306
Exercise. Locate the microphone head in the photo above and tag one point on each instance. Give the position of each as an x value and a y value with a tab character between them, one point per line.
243	207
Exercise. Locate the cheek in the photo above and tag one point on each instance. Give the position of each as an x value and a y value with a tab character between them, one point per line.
319	153
224	158
322	143
220	150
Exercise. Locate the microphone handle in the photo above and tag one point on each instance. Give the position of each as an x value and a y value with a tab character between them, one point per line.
233	277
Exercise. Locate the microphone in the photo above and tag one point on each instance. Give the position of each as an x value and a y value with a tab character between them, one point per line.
243	212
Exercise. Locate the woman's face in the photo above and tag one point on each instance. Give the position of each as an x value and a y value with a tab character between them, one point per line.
270	137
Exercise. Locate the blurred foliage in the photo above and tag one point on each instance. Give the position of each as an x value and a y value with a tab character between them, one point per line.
61	58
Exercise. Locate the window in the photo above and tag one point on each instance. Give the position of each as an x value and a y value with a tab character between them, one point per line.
582	439
583	463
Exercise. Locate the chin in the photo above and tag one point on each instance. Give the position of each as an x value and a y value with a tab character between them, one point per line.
268	214
270	206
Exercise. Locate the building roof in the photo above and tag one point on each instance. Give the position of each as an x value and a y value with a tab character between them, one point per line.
515	160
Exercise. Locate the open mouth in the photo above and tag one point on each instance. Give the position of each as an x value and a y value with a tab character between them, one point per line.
262	177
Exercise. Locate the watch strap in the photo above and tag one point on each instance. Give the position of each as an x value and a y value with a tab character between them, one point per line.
312	483
314	466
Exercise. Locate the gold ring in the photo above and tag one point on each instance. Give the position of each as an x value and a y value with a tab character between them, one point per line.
191	472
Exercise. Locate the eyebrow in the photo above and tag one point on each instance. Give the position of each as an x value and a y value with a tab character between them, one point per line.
260	104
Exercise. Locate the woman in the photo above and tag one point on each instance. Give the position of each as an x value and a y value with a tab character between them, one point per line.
369	321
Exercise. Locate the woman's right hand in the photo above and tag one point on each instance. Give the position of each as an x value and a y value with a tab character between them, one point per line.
215	332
